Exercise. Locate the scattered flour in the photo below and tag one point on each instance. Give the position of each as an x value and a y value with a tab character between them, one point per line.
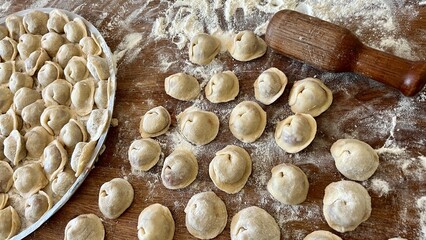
130	47
421	206
380	187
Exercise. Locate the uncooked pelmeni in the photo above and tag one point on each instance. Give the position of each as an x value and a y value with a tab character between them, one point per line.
3	32
15	26
62	182
72	133
115	197
310	96
75	30
86	226
96	123
51	42
346	205
35	22
155	122
29	179
254	223
19	80
180	169
81	156
54	159
296	132
49	72
14	147
57	93
35	61
98	67
206	215
82	96
54	118
10	223
156	222
57	21
197	126
321	235
222	87
66	52
247	46
6	99
144	154
4	198
90	46
397	238
270	85
8	122
6	70
288	184
355	159
36	140
27	44
31	113
37	205
203	48
8	49
76	70
6	177
230	168
24	97
182	86
102	93
247	121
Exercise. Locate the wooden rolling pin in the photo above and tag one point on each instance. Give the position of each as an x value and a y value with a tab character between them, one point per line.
334	48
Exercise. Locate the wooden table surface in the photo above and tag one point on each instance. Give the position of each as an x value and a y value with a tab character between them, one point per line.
361	109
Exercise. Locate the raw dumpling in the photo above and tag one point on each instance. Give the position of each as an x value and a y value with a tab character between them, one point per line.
35	22
254	223
54	118
57	93
8	49
180	169
36	141
10	223
76	70
9	122
206	215
29	179
197	126
346	205
72	133
15	26
90	46
6	99
269	86
155	122
14	147
115	197
144	154
86	226
355	159
37	205
31	114
321	235
54	159
3	32
49	73
222	87
182	86
288	184
296	132
6	70
98	67
156	222
96	123
247	121
310	96
4	197
81	155
51	42
6	177
24	97
57	21
75	30
36	60
27	44
66	52
82	96
230	169
19	80
247	46
102	94
62	183
203	48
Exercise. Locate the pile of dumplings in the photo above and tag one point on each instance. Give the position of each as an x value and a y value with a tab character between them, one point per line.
54	93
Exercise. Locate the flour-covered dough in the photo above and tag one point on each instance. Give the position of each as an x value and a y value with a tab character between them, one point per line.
144	154
155	122
115	197
180	169
6	177
197	126
321	235
37	205
247	46
29	179
270	85
182	86
156	222
85	226
10	223
247	121
203	48
222	87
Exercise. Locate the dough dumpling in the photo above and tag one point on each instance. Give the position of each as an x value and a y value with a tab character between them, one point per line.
4	197
75	30
310	96
247	121
57	93
182	86
14	147
54	159
36	60
247	46
31	114
9	122
19	80
35	22
57	21
197	126
36	141
203	48
51	42
296	132
180	169
90	46
15	26
72	133
8	49
86	226
321	235
230	169
115	197
81	155
355	159
346	205
269	86
288	184
82	96
29	179
24	97
76	70
155	122
206	215
156	222
6	99
37	205
27	44
54	118
10	223
3	32
62	183
6	177
66	52
222	87
98	67
6	70
102	93
97	122
144	154
254	223
49	73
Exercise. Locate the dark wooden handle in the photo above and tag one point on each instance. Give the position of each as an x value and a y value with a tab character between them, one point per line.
334	48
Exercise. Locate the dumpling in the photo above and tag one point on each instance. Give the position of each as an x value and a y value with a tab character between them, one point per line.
54	118
230	169
6	177
72	133
57	20
180	169
254	223
36	141
75	30
144	154
296	132
9	122
91	46
156	222
203	48
57	93
86	226
49	72
197	126
97	122
51	42
102	93
29	179
355	159
115	197
66	52
3	32
206	215
36	60
247	121
321	235
54	159
98	67
288	184
14	147
35	22
222	87
31	113
8	49
310	96
81	155
15	26
37	205
24	97
269	86
76	70
27	44
6	99
62	183
6	70
155	122
10	223
4	197
182	86
82	96
19	65
19	80
247	46
346	205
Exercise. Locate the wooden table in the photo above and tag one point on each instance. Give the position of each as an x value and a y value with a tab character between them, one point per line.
361	109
